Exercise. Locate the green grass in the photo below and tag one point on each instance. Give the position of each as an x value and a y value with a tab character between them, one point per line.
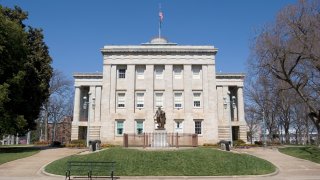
190	162
310	153
11	153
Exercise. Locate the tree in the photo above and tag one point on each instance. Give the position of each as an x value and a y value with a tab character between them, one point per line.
289	50
25	72
59	103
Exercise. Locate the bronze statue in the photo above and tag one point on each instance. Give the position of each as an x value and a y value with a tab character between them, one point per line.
160	118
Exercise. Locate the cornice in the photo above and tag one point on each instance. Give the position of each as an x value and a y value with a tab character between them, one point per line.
97	75
159	49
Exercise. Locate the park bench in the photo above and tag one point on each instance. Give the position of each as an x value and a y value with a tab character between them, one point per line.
90	167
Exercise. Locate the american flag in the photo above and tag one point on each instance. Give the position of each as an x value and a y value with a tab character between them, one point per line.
161	16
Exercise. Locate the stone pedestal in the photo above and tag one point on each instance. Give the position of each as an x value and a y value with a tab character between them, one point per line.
160	139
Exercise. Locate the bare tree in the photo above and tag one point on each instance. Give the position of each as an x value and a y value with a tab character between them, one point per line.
289	49
59	103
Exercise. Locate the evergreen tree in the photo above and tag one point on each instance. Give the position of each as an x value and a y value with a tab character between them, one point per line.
25	72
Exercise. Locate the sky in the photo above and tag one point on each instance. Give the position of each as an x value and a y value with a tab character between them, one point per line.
75	30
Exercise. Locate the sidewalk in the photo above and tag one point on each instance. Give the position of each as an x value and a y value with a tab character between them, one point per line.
289	167
30	167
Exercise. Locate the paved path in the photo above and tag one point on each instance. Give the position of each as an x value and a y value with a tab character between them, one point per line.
289	167
29	168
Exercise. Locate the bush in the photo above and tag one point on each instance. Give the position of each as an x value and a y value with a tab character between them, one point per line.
106	146
239	142
210	145
56	144
259	143
41	143
77	143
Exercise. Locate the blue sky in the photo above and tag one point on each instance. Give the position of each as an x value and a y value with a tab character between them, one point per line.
75	30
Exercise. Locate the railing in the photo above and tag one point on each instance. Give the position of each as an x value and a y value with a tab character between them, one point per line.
172	140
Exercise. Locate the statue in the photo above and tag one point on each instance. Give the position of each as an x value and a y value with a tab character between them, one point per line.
160	118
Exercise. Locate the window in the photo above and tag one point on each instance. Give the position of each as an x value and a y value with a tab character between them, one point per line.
197	127
159	72
140	72
196	72
177	72
121	100
139	126
159	99
119	127
140	100
196	99
121	73
178	100
178	127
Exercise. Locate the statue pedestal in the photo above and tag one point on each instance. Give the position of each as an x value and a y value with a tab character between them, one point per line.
160	137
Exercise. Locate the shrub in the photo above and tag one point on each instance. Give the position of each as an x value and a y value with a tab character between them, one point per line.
56	144
106	145
77	143
259	143
210	145
239	142
41	143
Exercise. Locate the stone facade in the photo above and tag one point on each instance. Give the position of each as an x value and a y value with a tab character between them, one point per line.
138	79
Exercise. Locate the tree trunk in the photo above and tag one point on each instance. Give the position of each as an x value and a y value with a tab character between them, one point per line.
46	125
287	135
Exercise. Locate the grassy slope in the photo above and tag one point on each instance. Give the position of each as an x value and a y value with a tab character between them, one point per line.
192	162
307	152
12	153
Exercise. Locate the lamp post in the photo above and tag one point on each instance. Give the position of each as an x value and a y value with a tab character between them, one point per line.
86	104
233	105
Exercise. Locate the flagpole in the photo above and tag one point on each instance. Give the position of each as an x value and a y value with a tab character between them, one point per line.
160	19
159	29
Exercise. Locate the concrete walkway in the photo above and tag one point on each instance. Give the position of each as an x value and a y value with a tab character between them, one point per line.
289	167
30	167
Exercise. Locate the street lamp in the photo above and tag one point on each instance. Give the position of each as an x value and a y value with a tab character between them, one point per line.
86	104
226	102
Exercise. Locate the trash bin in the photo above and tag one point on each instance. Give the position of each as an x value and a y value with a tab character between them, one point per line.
225	145
92	145
98	144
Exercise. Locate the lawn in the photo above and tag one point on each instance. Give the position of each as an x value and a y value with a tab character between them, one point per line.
310	153
11	153
189	162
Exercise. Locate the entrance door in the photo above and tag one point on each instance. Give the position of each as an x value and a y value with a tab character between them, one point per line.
82	132
235	133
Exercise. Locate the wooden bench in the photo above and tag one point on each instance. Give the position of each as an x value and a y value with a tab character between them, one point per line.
90	167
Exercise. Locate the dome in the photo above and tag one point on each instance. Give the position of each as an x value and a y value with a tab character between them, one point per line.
159	40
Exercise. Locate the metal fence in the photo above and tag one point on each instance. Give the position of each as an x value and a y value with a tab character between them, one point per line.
167	140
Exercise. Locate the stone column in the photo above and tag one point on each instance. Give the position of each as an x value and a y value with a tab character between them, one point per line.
91	107
97	109
240	104
187	94
76	109
148	98
168	93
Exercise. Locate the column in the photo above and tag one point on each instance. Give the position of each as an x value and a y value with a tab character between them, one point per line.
240	104
187	84
76	109
91	107
97	110
149	98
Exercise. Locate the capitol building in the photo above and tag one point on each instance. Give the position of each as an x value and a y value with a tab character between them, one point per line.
137	79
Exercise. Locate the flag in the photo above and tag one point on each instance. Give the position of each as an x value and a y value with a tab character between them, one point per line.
161	16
